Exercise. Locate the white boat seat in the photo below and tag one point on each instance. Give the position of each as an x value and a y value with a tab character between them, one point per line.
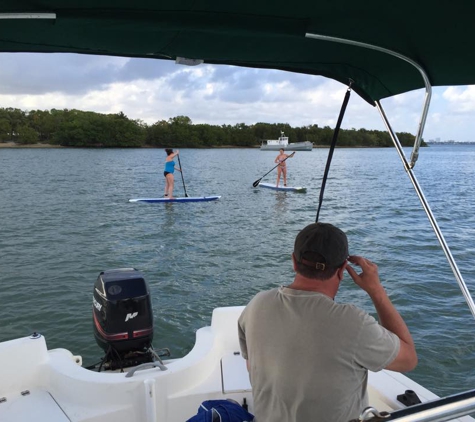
35	405
234	374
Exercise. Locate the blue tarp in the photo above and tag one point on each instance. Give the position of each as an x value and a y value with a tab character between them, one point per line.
221	411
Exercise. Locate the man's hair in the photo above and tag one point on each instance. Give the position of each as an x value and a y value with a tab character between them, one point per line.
314	273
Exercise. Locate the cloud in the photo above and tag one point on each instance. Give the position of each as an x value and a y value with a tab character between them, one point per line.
460	100
153	90
38	74
144	69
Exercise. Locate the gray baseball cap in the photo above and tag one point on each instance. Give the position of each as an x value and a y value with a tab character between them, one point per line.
321	245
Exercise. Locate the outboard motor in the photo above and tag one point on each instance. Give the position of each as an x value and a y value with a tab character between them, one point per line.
123	319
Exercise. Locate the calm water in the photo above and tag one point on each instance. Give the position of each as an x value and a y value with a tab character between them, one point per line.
65	217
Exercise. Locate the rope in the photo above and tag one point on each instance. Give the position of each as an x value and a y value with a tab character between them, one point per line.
332	148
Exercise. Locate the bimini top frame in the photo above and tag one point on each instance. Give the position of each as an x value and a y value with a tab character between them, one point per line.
428	95
408	166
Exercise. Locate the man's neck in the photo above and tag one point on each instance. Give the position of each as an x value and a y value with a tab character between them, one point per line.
327	287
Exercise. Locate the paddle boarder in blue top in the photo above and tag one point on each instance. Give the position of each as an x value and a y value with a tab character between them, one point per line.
169	170
282	167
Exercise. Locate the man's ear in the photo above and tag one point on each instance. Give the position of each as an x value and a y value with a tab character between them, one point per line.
341	270
294	262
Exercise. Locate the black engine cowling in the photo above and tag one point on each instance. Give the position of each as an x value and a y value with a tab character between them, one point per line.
122	312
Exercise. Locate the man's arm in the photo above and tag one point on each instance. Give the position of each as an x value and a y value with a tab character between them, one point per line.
242	341
389	317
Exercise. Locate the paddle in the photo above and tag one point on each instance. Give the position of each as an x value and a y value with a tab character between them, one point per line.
256	183
181	172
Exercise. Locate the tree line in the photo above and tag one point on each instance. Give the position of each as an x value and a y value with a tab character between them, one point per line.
76	128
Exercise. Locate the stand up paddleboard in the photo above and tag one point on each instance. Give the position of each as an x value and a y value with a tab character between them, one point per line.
185	199
282	188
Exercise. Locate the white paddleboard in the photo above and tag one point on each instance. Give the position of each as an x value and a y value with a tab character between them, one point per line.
282	187
184	199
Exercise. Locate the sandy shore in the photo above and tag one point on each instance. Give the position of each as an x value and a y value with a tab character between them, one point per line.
14	145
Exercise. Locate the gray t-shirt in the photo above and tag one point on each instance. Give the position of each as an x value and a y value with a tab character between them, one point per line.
310	356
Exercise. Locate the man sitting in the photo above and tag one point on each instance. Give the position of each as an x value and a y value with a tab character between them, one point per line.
308	356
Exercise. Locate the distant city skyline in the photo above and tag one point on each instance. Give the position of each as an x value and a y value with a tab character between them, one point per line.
449	142
153	90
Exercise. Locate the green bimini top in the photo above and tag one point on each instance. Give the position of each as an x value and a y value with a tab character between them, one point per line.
262	34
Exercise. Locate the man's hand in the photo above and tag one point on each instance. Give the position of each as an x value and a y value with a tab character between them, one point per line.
368	279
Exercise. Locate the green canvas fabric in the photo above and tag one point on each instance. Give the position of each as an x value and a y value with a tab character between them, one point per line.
263	34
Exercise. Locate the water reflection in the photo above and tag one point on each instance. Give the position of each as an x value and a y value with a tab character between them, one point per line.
281	202
169	215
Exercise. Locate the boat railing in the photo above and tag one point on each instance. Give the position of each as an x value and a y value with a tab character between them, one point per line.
440	410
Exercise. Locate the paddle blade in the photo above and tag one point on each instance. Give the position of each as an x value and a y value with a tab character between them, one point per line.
256	183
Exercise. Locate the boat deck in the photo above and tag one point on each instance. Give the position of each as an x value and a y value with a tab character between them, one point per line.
52	386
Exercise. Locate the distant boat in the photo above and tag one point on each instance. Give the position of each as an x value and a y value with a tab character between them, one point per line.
283	142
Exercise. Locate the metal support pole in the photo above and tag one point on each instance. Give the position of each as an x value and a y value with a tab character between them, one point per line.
27	16
430	215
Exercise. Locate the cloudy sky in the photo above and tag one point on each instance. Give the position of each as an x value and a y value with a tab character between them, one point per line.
153	90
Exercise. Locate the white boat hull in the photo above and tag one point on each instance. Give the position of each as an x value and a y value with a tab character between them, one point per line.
297	146
52	386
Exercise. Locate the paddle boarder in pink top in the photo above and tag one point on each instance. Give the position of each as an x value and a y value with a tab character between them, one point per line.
282	167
